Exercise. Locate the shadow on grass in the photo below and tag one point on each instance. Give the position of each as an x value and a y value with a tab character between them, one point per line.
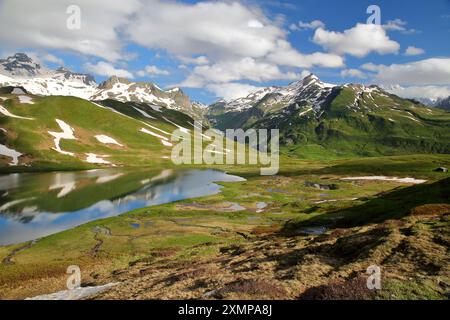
393	205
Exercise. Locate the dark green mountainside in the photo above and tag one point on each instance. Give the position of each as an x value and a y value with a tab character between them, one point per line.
316	119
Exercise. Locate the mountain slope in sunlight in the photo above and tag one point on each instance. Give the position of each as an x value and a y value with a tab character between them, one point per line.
68	132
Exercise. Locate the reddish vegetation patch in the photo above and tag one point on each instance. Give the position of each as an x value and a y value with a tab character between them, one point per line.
165	252
254	287
431	210
265	230
353	289
335	234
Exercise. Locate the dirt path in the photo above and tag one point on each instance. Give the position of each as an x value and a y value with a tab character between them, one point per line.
9	259
98	231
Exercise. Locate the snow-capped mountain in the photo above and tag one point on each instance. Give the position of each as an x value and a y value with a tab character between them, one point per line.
432	97
310	92
308	99
313	116
443	103
20	65
65	74
309	88
20	70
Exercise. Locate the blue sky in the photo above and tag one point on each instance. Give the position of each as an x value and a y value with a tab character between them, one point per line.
228	48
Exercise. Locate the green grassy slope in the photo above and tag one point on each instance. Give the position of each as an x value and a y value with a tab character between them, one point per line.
31	137
375	125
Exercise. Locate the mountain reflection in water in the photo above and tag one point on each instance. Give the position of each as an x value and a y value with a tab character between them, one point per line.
34	205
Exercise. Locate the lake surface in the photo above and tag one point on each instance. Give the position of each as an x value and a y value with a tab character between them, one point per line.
33	205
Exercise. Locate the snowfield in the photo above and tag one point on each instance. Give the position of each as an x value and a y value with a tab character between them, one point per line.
94	158
383	178
107	140
164	140
25	99
145	114
11	153
5	112
66	134
182	129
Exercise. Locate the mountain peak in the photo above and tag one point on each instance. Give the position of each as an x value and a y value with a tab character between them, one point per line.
21	57
63	72
109	83
311	76
20	64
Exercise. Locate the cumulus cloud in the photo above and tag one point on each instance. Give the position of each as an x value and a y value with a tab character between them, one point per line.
234	70
307	25
429	78
414	51
358	41
200	60
285	55
433	71
370	66
428	92
43	58
152	71
232	38
226	41
215	29
353	73
398	25
103	68
231	91
43	25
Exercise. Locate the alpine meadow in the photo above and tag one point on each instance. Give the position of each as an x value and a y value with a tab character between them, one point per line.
224	150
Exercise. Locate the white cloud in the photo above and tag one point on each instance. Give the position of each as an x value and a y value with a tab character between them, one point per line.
235	70
285	55
429	78
103	68
227	41
255	24
433	71
358	41
52	58
429	92
152	71
307	25
230	91
214	29
370	66
398	25
414	51
43	25
200	60
42	58
353	73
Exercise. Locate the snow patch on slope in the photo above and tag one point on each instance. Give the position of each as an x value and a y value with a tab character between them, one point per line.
107	140
94	158
145	114
11	153
164	140
25	99
5	111
66	134
384	178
